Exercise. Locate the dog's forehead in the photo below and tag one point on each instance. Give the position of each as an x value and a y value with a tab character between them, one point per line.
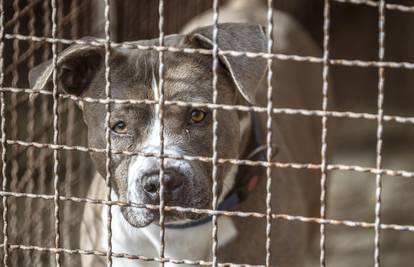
186	75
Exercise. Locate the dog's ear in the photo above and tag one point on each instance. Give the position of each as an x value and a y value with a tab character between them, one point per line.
76	67
246	72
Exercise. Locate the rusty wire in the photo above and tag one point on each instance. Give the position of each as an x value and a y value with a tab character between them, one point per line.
161	100
214	171
286	57
380	129
108	150
292	165
3	142
324	145
269	133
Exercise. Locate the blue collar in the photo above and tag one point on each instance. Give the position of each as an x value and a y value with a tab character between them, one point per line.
238	193
227	203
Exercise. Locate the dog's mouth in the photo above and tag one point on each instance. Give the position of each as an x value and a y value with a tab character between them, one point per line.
138	217
179	206
175	210
141	217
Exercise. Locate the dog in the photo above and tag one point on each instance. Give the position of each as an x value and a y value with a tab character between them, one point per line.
188	132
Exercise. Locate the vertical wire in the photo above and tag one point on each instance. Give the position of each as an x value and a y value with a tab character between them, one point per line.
381	82
61	110
55	131
108	129
215	130
161	118
324	145
269	124
3	141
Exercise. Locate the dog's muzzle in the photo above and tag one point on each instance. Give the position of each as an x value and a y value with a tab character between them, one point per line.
173	184
184	183
144	178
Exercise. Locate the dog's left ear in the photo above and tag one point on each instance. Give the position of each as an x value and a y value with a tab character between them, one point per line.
246	72
76	67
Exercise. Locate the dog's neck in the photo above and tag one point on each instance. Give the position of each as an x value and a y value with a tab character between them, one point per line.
245	135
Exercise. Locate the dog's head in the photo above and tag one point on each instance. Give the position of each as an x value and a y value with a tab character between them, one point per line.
134	74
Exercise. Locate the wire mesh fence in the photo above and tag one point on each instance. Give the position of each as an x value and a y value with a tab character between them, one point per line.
46	171
33	121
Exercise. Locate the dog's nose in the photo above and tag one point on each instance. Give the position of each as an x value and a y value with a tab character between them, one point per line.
173	182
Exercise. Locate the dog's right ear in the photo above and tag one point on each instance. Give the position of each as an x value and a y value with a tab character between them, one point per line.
245	72
76	67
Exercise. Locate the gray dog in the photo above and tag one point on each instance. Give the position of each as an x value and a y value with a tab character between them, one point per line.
188	131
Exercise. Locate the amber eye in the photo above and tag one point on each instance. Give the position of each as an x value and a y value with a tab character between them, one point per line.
120	128
197	116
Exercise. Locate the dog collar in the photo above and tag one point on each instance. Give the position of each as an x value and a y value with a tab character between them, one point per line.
229	202
247	178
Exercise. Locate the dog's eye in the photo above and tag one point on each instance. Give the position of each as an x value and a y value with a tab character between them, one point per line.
120	127
197	116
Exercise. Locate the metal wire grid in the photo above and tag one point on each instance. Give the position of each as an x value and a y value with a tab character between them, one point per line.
214	247
324	114
378	178
324	145
269	132
161	131
36	176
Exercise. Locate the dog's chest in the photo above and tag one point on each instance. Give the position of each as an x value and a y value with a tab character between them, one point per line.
193	243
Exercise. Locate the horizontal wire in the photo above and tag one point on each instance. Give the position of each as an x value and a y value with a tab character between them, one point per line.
283	165
286	111
284	57
402	8
258	215
104	254
121	255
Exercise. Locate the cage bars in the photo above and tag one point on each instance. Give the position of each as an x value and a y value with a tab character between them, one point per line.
269	125
324	114
324	122
55	92
214	171
380	102
160	110
3	141
108	151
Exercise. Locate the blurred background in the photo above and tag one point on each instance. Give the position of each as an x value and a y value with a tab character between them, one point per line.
354	34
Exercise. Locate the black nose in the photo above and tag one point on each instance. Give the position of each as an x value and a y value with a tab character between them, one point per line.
173	182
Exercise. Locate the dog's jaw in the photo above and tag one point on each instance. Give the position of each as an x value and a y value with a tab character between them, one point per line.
138	217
